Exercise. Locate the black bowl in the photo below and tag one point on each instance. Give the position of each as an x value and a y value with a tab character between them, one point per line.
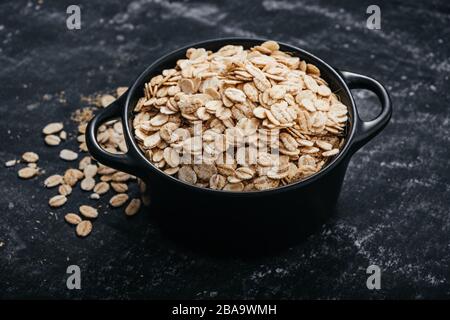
252	220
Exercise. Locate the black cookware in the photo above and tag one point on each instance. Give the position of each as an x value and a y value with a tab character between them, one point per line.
242	219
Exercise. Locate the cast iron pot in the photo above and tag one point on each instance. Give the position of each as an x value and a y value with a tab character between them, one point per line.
260	219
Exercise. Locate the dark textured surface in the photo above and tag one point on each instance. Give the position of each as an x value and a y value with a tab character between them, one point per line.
394	206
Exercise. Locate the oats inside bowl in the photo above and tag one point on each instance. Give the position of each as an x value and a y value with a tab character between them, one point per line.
240	119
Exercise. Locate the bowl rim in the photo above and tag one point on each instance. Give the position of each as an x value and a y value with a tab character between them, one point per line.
137	85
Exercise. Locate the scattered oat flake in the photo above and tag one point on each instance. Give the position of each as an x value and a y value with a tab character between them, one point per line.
52	140
64	189
118	200
72	218
27	172
88	211
30	157
119	187
101	188
87	184
84	228
57	201
53	127
120	177
63	135
133	207
90	171
10	163
94	196
71	176
53	181
68	155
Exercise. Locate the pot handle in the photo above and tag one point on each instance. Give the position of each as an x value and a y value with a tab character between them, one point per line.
123	162
366	130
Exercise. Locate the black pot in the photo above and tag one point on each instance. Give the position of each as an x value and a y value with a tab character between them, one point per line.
255	220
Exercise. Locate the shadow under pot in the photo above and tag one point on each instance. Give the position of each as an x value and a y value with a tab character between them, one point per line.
256	220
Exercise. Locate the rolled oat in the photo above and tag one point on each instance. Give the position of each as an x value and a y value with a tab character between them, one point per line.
238	119
101	188
118	200
30	157
52	140
27	172
133	207
53	181
84	228
52	128
64	189
72	218
88	211
68	155
57	201
10	163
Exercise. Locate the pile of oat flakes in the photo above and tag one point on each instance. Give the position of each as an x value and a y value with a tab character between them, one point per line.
89	175
198	121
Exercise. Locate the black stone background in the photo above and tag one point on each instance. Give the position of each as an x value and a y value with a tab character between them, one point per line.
394	206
